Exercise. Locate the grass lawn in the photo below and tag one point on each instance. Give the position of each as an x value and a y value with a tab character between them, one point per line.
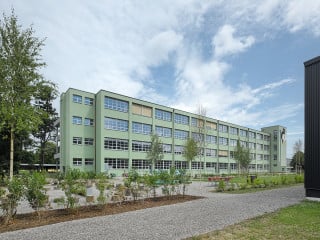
301	221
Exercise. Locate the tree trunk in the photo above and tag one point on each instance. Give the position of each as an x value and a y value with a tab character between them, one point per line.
11	151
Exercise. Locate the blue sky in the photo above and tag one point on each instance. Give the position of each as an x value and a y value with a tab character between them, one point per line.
241	60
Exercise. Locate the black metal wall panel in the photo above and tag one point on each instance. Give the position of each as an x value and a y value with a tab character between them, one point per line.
312	127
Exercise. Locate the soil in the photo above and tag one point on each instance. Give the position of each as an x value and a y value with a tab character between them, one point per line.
29	220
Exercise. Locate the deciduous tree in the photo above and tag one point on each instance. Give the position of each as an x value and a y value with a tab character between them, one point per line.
156	151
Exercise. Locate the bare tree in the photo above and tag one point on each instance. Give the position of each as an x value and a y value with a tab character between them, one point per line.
297	147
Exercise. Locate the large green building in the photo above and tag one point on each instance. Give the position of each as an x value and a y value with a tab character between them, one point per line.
111	132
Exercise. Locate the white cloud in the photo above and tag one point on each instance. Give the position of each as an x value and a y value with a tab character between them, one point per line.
225	43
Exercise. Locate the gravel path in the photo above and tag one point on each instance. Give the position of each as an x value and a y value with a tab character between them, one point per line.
170	222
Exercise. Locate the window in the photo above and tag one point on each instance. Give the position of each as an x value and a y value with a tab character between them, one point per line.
138	146
141	110
251	145
211	126
197	165
198	137
252	156
88	141
275	134
77	140
88	122
243	133
163	164
223	166
252	166
140	164
266	138
243	144
163	115
259	136
180	164
223	141
211	152
223	128
116	144
233	131
233	166
231	154
116	124
211	165
115	104
252	135
88	161
115	163
77	120
275	147
266	157
275	157
211	139
179	150
223	153
259	146
163	131
233	142
76	98
166	148
77	161
259	157
181	119
88	101
266	147
141	128
180	134
194	122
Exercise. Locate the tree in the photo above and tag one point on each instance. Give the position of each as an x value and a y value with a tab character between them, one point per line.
190	151
48	153
20	79
242	156
48	116
156	151
297	147
297	161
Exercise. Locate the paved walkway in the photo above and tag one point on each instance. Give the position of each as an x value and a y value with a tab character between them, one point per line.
170	222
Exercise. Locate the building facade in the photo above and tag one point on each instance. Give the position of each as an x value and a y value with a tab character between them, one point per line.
108	132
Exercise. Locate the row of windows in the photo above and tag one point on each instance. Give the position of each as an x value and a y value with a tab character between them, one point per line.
116	124
78	141
141	128
115	104
181	119
78	99
163	115
79	162
163	132
78	121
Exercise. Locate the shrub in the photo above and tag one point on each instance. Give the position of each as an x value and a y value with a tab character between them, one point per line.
221	186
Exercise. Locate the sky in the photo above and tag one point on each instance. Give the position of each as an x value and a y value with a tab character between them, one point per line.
241	60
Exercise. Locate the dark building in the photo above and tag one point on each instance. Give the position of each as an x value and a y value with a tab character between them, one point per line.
312	127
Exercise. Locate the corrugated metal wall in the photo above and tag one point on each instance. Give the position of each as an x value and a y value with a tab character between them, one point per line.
312	127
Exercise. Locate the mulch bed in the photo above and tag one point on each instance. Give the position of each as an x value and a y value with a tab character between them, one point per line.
29	220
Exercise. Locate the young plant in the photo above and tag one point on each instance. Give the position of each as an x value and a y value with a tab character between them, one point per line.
101	185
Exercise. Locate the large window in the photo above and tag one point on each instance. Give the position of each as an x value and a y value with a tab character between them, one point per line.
163	164
77	140
179	150
266	138
116	163
88	141
223	166
266	147
259	146
115	104
259	136
141	128
197	165
88	122
77	120
180	164
88	161
223	141
275	134
182	119
76	98
233	142
140	164
77	161
252	135
163	115
141	110
88	101
233	131
211	165
251	145
116	144
223	128
116	124
211	139
211	152
180	134
266	157
167	148
138	146
259	157
243	133
163	132
198	137
243	144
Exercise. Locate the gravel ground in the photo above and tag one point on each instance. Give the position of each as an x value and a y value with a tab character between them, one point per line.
177	221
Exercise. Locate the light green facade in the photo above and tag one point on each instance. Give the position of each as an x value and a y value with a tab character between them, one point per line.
213	160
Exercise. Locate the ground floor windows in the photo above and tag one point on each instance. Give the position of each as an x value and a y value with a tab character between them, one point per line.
163	164
140	164
88	161
138	146
223	166
116	163
197	165
233	166
180	164
211	165
77	161
115	144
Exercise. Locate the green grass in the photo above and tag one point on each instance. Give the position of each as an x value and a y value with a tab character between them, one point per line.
299	221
